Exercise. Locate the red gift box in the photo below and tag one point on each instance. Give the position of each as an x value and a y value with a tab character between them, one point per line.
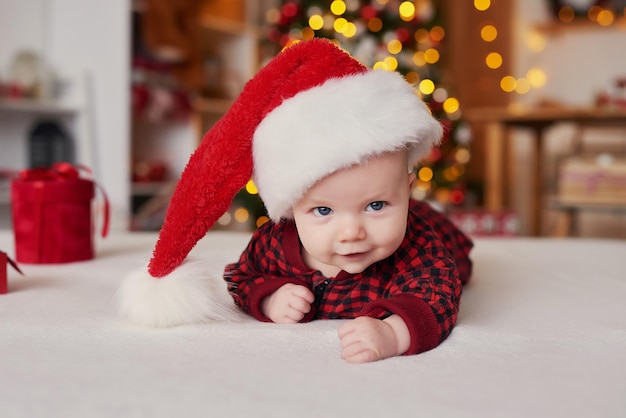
4	285
4	260
52	216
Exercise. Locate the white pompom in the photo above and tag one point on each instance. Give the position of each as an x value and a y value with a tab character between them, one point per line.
190	294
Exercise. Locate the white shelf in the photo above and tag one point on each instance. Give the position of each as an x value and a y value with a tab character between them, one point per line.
36	107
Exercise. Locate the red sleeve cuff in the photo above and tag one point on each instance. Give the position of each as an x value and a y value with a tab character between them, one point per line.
418	316
267	288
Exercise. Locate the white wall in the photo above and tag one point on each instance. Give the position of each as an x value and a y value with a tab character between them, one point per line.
89	39
579	63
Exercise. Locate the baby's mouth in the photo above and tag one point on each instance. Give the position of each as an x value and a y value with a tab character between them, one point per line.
353	255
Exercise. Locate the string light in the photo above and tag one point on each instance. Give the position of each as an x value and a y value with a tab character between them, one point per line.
242	215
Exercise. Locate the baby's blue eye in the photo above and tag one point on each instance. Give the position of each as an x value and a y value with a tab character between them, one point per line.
376	206
322	211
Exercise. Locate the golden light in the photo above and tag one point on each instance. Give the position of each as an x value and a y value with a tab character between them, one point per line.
307	33
316	22
407	11
522	86
437	33
442	195
261	220
482	5
593	13
426	86
605	18
425	174
251	187
375	24
412	77
242	215
338	7
383	2
489	33
349	30
431	55
536	77
507	83
340	25
419	59
566	14
423	185
379	65
493	60
451	105
394	46
462	155
422	36
536	41
391	63
450	175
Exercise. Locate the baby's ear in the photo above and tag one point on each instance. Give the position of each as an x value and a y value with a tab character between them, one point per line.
412	178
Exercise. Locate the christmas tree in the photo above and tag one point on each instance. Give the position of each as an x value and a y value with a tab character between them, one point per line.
393	35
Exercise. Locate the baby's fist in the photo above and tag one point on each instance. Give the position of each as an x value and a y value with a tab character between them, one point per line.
288	304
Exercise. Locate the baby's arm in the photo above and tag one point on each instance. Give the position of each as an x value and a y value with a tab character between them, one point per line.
288	305
365	339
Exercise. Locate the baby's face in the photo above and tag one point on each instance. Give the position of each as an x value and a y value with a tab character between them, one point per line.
356	216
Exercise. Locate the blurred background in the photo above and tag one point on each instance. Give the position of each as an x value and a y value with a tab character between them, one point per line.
532	92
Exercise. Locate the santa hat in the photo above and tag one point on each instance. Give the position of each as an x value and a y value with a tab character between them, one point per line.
309	112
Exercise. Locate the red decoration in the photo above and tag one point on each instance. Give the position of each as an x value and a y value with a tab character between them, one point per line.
290	9
52	219
402	34
4	261
149	171
368	12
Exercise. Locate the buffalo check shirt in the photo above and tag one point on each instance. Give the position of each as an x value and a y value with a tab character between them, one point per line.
420	282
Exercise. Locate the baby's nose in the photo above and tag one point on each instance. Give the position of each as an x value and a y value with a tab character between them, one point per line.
351	229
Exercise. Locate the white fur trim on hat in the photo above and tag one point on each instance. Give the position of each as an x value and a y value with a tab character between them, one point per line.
187	295
335	125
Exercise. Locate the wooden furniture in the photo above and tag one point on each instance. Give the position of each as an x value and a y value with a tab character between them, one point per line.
499	122
228	40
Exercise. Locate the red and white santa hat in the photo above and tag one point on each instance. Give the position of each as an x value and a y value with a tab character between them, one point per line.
309	112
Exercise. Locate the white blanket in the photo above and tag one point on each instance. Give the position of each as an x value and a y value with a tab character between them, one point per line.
541	333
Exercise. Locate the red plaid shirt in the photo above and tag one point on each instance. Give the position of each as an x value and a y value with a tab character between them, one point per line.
420	282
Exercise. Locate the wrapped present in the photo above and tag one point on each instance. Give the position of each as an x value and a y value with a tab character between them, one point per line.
600	180
52	215
483	223
4	261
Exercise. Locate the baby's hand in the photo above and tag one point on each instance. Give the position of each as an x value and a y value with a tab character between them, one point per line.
288	304
366	339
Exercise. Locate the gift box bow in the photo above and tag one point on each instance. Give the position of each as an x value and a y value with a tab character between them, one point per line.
63	172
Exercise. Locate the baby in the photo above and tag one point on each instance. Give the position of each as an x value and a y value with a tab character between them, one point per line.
331	146
358	247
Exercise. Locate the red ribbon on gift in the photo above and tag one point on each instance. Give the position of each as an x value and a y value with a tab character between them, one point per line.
66	171
13	264
4	257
